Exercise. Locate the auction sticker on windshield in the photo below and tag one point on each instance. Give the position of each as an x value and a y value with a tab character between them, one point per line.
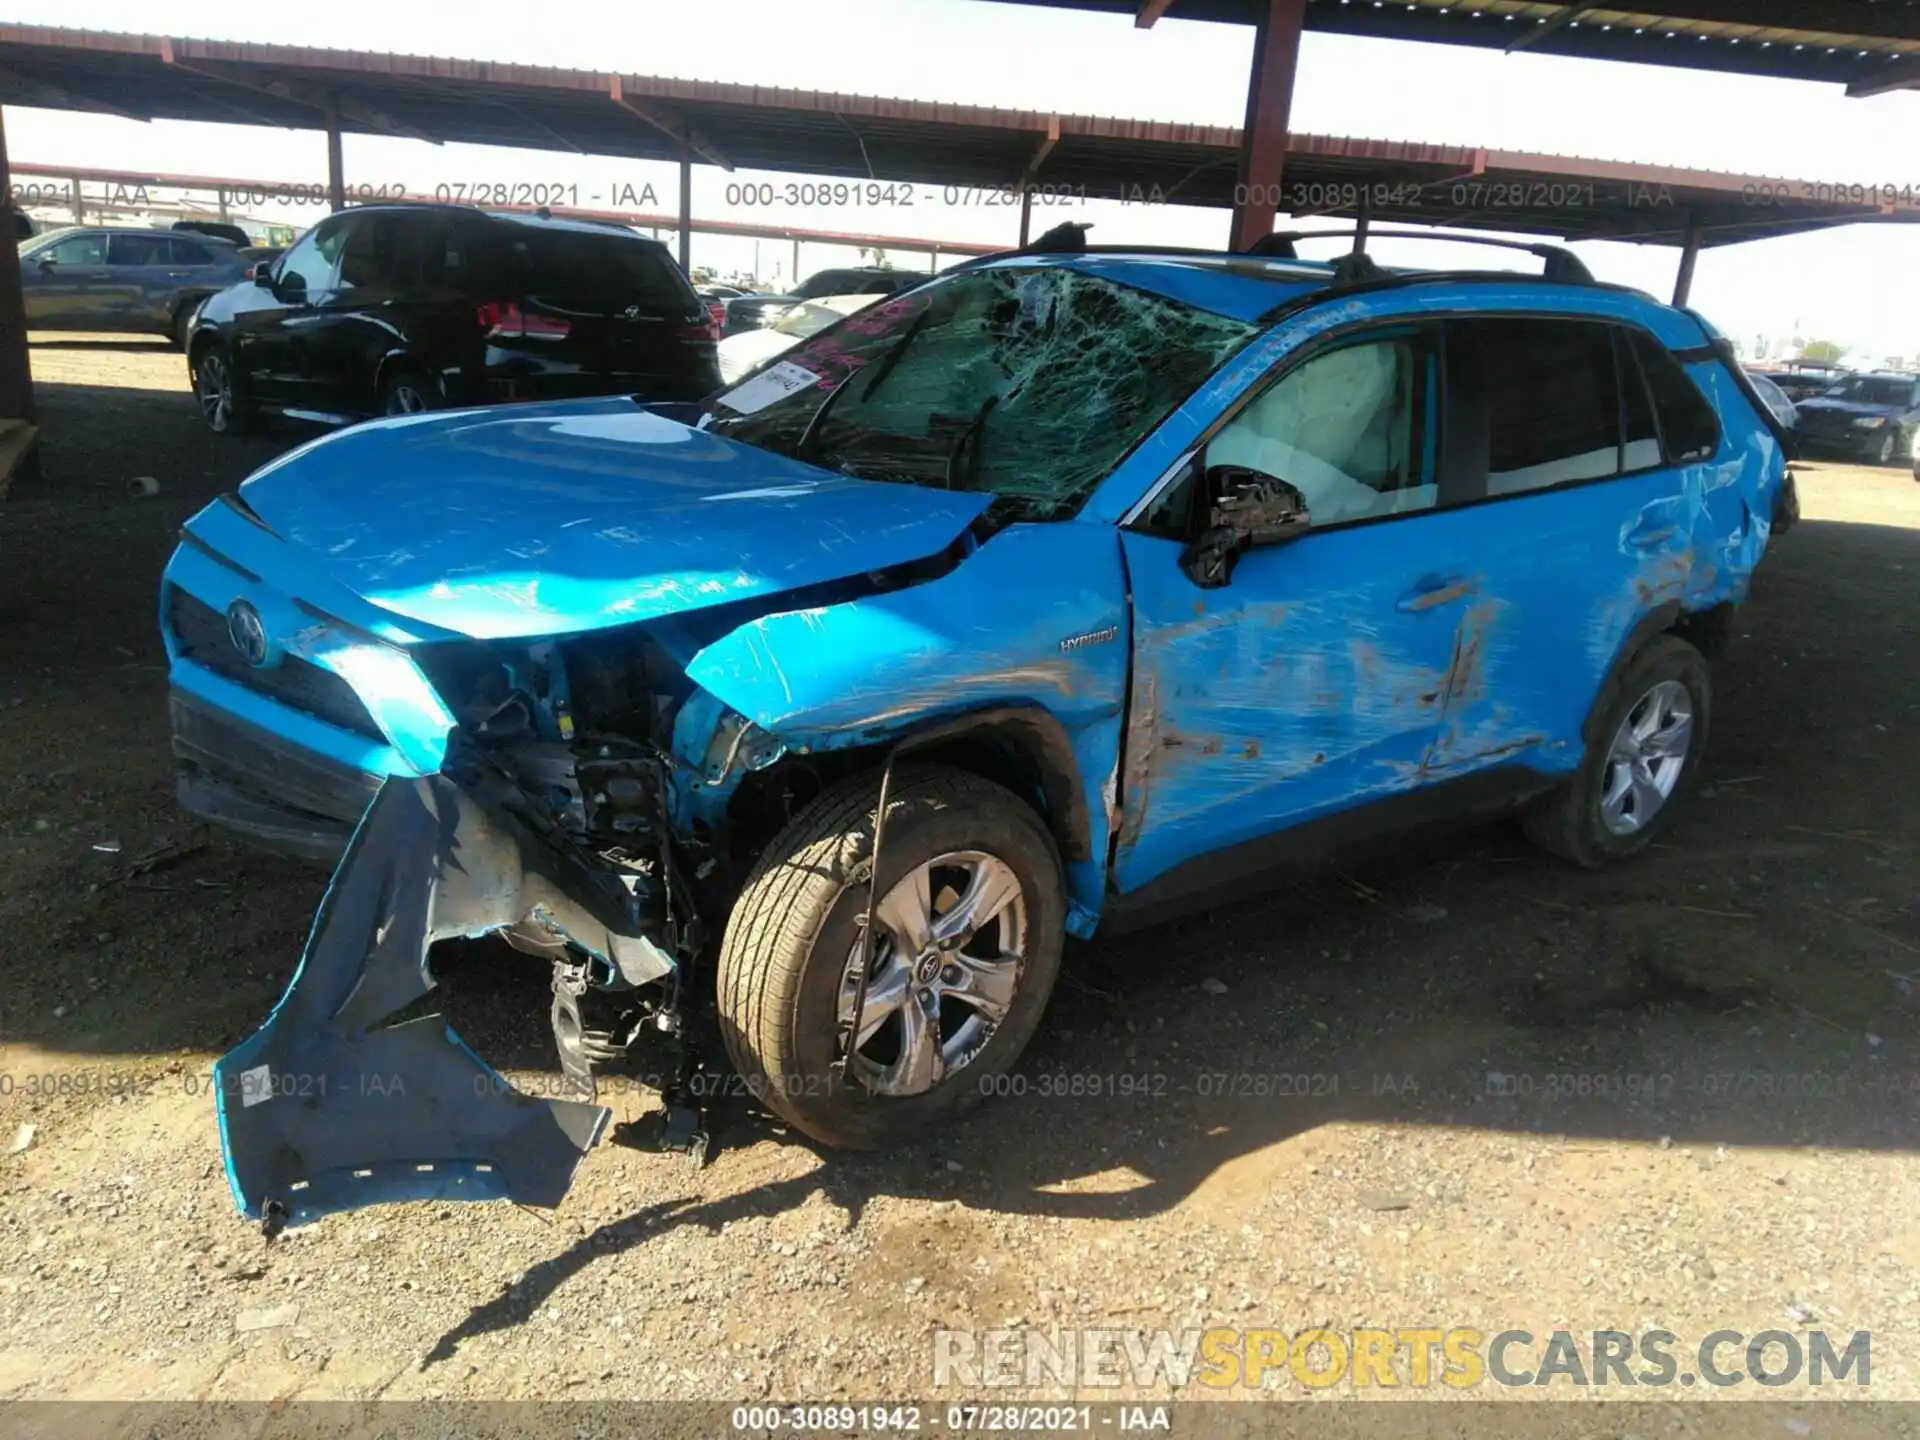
774	384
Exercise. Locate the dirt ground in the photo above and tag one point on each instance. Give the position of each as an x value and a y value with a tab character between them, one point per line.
1740	1003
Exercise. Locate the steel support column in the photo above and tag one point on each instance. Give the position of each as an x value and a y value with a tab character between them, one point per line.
1263	142
16	371
1026	213
336	165
1689	252
686	216
793	275
79	205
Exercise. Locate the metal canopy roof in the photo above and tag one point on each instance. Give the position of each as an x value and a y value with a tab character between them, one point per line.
865	137
1870	46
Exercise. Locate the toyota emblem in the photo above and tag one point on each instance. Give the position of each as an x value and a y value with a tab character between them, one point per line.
247	632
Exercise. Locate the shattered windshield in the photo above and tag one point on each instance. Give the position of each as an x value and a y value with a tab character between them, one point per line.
1031	383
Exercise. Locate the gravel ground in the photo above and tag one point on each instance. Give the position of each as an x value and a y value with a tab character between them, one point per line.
1739	1003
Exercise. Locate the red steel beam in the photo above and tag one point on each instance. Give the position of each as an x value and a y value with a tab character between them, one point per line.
1263	140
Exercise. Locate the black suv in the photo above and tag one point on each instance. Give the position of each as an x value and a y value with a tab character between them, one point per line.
389	309
754	312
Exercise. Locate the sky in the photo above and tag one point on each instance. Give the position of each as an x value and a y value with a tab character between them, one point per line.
1859	285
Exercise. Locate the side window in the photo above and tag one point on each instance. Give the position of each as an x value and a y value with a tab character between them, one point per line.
1687	422
1352	429
187	252
139	250
367	260
1553	409
308	267
76	250
1640	435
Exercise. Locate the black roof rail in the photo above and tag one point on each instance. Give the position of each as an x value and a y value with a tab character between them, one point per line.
1199	252
1407	279
1563	266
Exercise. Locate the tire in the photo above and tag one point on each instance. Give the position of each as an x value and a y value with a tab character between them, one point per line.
216	389
181	330
408	392
1889	449
1575	821
787	964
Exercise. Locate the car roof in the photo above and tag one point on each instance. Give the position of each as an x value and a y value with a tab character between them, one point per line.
127	230
1254	287
513	217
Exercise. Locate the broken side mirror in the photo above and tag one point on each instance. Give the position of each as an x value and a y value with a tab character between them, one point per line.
1245	508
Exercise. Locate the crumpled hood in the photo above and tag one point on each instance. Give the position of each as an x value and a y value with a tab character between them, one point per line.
545	519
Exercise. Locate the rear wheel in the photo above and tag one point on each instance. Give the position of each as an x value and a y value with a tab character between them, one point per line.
216	390
407	392
966	946
1644	742
181	330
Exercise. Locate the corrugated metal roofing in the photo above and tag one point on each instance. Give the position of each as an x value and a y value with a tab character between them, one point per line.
876	138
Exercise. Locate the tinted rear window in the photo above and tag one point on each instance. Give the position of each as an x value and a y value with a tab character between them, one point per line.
599	274
1687	422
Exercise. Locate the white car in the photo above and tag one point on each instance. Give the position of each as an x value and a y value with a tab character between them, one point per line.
746	352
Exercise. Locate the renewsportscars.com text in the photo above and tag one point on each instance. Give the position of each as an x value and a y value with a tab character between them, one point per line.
1414	1357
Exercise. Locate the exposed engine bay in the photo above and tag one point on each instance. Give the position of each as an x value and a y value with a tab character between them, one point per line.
551	825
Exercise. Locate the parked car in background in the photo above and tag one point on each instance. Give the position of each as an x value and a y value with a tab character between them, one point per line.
121	278
1775	398
1800	382
751	349
715	298
1111	588
1870	417
750	312
390	309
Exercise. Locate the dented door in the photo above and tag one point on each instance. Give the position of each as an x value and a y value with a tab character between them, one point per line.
1310	683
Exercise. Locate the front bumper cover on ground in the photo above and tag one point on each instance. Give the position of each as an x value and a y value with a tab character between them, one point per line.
338	1102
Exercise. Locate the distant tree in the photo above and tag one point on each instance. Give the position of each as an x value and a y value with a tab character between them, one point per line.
1824	352
880	260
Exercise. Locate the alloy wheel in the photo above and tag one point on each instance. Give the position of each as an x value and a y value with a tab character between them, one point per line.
406	398
1647	755
948	944
213	387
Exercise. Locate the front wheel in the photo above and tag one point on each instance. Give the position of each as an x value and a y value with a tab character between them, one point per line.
1889	449
1644	740
966	945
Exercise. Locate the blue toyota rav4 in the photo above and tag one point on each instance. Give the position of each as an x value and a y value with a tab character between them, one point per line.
1061	593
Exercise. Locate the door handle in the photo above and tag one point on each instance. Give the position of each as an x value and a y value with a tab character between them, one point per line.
1435	590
